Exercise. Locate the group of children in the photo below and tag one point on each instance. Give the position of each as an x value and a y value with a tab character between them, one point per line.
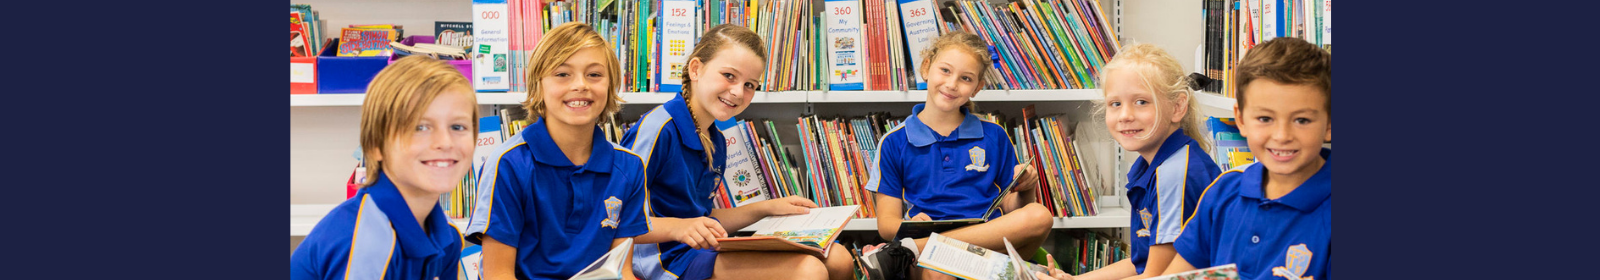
559	195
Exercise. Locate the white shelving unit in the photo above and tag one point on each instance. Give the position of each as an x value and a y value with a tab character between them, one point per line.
1207	99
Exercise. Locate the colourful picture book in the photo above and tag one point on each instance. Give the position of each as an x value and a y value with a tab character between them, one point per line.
366	41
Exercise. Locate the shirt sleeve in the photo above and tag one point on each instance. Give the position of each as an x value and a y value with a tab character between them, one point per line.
884	175
636	208
1172	182
1197	240
502	216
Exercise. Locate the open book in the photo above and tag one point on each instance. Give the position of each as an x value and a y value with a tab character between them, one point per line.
967	261
1221	272
608	266
809	233
920	229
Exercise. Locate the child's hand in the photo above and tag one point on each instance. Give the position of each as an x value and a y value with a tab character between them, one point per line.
699	233
921	217
791	205
1055	273
1029	180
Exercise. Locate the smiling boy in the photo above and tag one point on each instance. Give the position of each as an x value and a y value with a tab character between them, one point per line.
1273	218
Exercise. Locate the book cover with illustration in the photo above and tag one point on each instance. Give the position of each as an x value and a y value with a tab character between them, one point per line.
453	33
366	42
299	36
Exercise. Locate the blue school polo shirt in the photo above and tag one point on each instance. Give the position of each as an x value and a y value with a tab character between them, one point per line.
681	183
1164	195
1289	237
560	216
954	176
374	236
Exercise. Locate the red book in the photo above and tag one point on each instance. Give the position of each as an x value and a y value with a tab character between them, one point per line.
299	38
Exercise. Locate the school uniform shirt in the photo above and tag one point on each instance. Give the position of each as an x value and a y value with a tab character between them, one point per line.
374	236
954	176
681	182
1289	237
561	217
1163	193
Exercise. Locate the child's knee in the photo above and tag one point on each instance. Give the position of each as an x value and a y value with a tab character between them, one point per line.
1037	219
811	268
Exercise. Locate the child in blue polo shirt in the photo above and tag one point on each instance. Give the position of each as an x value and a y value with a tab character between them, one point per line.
418	123
944	163
685	165
559	196
1273	218
1149	109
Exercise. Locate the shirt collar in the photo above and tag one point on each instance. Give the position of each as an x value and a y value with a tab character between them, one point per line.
921	135
416	243
1174	142
1307	196
545	151
683	121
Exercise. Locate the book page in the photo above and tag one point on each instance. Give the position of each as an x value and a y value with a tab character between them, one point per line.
815	227
1023	269
609	266
962	259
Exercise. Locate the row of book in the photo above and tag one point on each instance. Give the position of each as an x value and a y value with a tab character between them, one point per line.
836	155
1235	26
1087	251
1065	188
1041	44
839	45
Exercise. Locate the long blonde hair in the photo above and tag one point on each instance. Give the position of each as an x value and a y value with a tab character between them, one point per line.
1164	78
396	100
559	45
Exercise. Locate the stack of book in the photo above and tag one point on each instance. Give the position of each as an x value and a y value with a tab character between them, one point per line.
1231	150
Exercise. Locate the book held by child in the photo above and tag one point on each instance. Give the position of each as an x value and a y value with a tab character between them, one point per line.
809	233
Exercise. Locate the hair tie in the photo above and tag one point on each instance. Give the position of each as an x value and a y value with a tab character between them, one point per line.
994	57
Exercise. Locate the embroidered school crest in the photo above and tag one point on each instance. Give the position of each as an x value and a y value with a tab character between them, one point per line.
977	155
1295	264
613	205
1144	216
